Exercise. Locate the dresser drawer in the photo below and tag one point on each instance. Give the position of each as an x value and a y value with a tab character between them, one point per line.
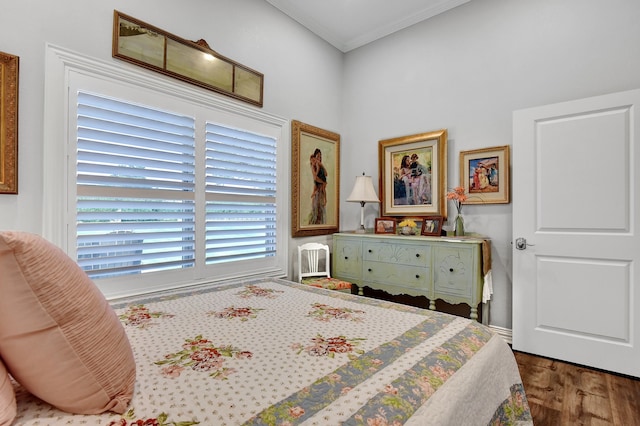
454	271
396	274
403	254
347	258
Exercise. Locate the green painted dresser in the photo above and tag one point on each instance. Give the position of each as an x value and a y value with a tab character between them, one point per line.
450	269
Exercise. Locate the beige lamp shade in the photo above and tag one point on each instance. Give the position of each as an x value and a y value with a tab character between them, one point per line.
362	193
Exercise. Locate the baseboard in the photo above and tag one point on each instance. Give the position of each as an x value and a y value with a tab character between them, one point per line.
505	333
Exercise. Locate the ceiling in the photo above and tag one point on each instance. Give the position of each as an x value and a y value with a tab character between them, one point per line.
349	24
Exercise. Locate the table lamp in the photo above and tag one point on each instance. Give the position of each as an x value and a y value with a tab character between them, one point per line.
362	193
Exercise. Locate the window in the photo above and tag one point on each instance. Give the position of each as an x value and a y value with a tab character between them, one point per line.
167	186
241	193
135	180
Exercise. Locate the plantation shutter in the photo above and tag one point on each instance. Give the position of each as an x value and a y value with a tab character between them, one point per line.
240	195
135	188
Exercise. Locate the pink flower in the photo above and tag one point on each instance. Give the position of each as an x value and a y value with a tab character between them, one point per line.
296	412
390	390
458	196
378	420
138	318
205	354
196	343
172	371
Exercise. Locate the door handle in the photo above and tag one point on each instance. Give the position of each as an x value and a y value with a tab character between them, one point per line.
521	243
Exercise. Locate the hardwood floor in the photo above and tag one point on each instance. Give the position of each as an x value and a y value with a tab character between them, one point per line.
565	394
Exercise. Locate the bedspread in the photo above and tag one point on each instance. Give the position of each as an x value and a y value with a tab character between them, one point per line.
273	352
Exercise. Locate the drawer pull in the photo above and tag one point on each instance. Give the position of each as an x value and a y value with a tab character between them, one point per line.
450	269
369	250
417	254
417	276
369	269
346	257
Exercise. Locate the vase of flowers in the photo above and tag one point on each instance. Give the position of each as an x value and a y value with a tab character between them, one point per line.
459	224
407	227
458	197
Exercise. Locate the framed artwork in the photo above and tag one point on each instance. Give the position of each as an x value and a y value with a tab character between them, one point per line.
385	225
9	66
315	183
413	174
432	226
409	226
192	61
484	175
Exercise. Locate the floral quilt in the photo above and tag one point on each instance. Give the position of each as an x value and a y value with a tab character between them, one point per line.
273	352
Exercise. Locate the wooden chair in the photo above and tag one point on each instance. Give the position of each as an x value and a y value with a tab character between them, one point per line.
313	268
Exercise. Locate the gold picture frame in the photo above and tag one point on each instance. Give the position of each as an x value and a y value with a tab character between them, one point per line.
195	62
484	175
9	71
315	183
416	188
385	225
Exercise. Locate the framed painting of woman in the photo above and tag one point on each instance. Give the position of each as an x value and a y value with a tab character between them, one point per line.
315	184
413	174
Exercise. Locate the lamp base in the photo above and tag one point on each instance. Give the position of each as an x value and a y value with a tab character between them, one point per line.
360	231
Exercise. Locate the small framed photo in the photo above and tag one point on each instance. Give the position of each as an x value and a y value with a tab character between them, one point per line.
409	225
432	226
484	175
385	225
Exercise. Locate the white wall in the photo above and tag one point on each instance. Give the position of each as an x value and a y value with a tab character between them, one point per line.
468	70
298	66
465	70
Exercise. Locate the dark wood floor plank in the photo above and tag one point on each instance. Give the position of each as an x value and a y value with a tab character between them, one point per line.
566	394
543	385
543	416
626	393
586	396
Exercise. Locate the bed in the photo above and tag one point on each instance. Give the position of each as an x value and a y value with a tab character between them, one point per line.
274	352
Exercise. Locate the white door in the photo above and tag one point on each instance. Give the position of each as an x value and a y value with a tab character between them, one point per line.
576	231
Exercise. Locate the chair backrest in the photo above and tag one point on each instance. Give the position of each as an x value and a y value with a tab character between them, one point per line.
313	261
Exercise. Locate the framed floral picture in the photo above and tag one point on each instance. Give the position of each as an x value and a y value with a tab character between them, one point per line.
315	183
413	174
409	226
484	175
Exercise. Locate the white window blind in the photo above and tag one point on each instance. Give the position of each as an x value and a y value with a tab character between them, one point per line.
153	185
135	188
240	195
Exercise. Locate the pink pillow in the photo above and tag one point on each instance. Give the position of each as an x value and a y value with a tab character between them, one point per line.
59	337
7	398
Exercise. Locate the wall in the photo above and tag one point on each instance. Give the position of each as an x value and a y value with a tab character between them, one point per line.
467	70
297	65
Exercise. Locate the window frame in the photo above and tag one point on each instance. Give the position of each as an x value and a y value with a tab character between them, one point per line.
65	70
